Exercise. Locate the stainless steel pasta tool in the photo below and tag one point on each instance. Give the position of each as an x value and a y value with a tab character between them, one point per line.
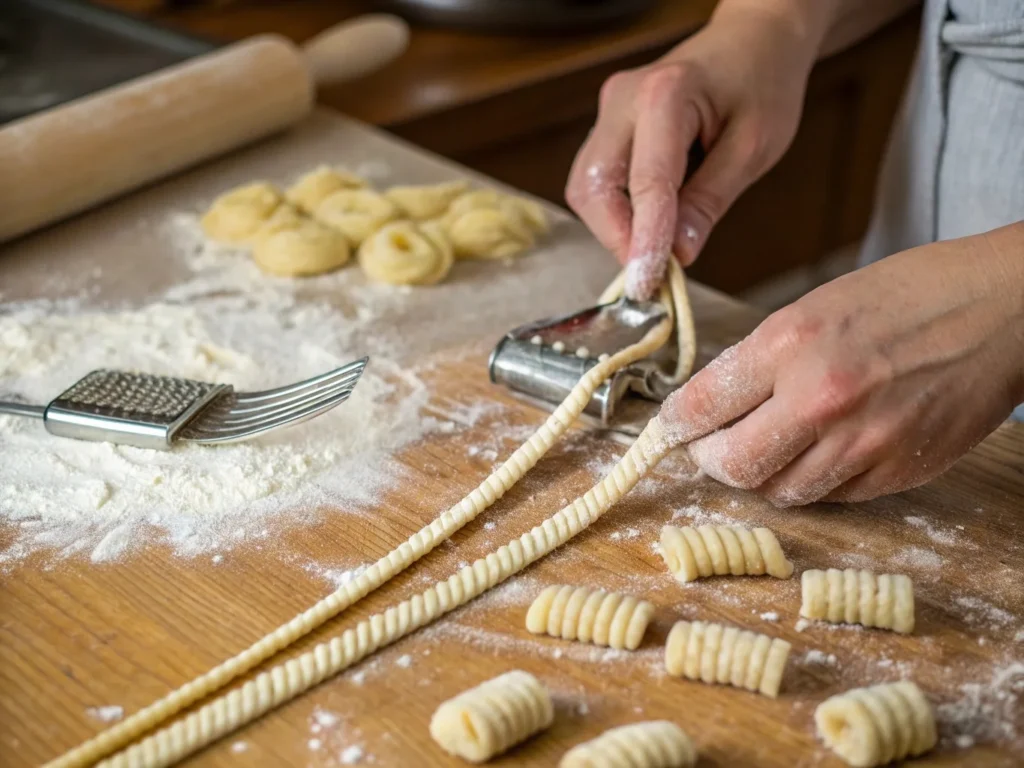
546	359
157	411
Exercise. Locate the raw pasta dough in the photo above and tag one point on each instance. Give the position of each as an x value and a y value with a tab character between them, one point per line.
877	725
656	744
356	213
486	224
590	616
316	186
859	597
716	653
720	550
427	201
236	215
487	720
289	244
403	253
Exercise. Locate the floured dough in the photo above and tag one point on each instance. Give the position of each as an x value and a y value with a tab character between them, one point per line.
487	224
405	253
235	216
290	244
425	201
316	186
356	213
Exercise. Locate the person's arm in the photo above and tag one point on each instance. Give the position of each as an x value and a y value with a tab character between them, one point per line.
853	21
871	384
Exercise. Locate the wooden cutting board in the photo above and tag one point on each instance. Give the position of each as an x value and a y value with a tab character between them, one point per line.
78	635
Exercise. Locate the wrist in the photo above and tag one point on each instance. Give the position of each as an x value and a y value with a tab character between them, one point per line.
800	25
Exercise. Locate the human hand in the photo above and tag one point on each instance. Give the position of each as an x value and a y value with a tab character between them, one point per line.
871	384
737	86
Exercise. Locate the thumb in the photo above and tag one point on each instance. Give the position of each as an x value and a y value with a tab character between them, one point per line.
735	161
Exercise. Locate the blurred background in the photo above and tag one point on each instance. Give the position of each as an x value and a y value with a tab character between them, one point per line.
509	87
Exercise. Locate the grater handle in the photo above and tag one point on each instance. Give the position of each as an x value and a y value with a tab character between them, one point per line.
21	409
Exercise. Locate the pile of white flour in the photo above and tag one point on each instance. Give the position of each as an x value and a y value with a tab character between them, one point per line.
224	323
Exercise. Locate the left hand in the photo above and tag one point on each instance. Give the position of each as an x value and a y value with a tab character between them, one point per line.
874	383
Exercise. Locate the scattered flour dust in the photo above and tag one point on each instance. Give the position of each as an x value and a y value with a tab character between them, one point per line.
986	712
224	323
108	714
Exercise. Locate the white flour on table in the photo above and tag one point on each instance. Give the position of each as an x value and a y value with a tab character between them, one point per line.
225	323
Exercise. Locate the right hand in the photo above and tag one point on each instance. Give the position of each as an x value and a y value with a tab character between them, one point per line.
738	87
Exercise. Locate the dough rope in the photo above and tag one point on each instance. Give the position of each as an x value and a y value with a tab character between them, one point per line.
877	725
590	616
396	561
722	550
493	717
859	597
289	679
654	744
716	653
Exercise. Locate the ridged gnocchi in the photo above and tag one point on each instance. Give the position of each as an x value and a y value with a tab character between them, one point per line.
494	716
878	724
590	616
720	550
716	653
885	601
655	744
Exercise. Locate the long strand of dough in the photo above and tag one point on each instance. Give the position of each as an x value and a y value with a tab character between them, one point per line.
415	547
287	680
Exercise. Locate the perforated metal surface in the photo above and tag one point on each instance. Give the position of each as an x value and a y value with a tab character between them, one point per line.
135	396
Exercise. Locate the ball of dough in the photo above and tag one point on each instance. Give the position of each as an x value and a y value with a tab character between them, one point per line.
405	253
289	244
487	224
316	186
235	216
356	213
426	201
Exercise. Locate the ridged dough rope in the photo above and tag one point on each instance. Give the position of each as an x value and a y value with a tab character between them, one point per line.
285	681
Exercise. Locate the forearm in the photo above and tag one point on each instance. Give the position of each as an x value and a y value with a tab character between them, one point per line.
820	27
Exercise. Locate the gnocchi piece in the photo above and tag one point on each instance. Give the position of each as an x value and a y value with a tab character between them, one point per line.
716	653
878	724
426	201
356	213
655	744
316	186
494	716
402	253
719	550
885	601
235	216
290	244
590	616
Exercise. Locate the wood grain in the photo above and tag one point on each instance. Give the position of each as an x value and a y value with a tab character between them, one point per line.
75	635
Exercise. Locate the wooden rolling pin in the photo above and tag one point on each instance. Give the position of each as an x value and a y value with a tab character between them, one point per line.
67	159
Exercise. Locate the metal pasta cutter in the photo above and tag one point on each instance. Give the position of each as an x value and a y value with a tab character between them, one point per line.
157	411
546	359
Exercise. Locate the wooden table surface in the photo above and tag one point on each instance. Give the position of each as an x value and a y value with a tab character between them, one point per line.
80	635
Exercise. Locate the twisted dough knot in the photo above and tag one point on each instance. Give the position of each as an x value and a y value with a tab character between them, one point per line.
235	216
403	253
487	720
655	744
291	244
877	725
720	550
426	201
716	653
590	616
356	213
859	597
486	224
316	186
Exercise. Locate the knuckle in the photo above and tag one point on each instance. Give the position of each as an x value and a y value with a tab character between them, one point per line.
705	203
661	82
791	328
753	145
576	194
612	87
835	394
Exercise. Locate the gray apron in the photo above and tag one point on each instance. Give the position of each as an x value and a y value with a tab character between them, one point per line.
955	163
